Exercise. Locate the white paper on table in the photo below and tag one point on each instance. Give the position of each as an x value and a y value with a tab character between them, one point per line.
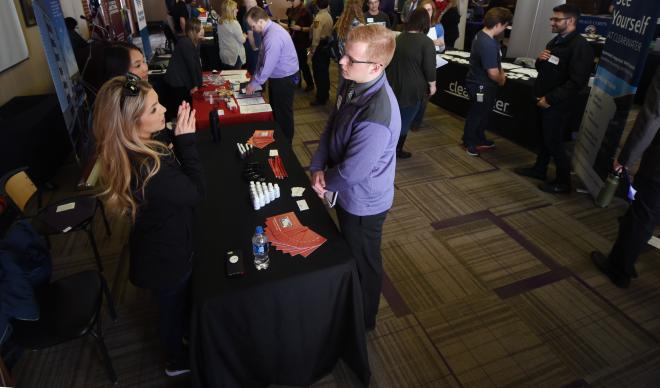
65	207
439	61
302	205
233	72
250	101
259	108
297	191
456	53
236	78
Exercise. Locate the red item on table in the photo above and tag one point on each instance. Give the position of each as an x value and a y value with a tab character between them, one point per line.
278	167
262	138
203	108
288	235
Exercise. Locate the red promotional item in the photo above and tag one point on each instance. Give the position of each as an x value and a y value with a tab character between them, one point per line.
288	235
261	138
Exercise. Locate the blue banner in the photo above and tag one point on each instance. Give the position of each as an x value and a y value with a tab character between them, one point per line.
620	68
61	60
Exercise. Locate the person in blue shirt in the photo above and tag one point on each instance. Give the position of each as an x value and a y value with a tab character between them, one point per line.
356	157
483	78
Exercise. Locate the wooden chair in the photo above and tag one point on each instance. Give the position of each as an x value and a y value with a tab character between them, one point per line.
68	215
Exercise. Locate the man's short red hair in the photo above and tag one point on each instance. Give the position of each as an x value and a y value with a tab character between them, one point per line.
380	42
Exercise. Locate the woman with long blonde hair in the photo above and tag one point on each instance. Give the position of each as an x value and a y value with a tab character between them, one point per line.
230	37
156	188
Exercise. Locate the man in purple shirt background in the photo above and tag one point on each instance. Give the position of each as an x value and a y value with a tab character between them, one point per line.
356	157
277	64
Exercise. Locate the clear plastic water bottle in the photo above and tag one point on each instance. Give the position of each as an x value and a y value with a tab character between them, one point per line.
260	249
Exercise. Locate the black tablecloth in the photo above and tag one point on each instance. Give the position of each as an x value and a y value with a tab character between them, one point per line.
286	325
515	114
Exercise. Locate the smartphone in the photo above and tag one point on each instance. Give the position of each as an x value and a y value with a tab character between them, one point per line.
330	198
234	263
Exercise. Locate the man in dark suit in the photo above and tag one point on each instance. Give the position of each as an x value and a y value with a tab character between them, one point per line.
563	68
639	222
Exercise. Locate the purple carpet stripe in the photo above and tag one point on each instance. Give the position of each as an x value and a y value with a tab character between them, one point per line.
524	210
460	220
522	241
556	267
529	284
394	299
577	384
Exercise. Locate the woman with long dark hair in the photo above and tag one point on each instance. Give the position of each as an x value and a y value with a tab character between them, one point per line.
184	72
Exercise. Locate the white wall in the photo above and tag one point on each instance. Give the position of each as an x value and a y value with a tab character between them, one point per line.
531	27
31	76
74	9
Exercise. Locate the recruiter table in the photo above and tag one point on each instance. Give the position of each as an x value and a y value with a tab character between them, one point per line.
203	109
515	115
289	324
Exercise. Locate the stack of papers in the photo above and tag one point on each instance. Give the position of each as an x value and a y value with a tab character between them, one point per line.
250	101
288	235
256	108
261	139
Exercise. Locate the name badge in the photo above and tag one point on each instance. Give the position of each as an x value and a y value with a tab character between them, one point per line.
554	60
370	20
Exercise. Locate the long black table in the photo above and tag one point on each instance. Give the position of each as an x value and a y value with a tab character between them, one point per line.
289	324
515	115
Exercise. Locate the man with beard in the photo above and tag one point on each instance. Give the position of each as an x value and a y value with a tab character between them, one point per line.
563	68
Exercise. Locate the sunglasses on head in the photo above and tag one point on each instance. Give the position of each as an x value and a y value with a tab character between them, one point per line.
131	88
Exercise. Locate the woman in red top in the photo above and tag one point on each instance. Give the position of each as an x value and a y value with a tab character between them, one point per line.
299	25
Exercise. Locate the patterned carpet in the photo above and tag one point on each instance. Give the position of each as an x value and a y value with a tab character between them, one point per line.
488	283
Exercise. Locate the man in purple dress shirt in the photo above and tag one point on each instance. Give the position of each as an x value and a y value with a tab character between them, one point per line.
356	157
277	64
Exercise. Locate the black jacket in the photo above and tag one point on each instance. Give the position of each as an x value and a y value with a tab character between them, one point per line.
645	136
161	241
185	68
560	82
450	21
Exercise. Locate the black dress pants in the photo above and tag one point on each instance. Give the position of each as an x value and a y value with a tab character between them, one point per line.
553	125
478	116
363	235
304	67
321	69
174	318
280	95
637	226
